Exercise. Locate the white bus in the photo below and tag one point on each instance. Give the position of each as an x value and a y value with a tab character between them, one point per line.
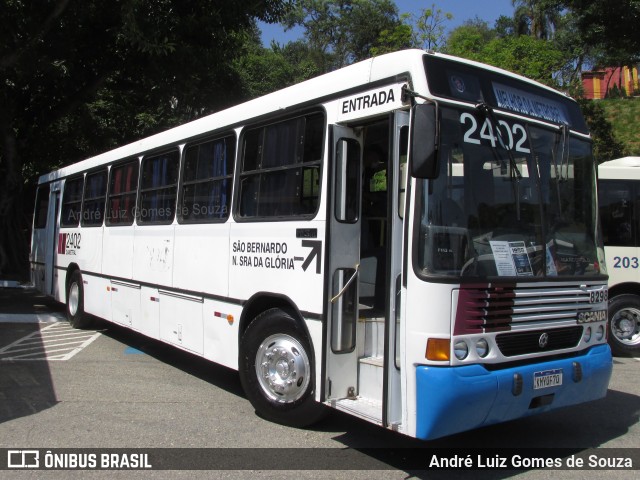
619	192
412	239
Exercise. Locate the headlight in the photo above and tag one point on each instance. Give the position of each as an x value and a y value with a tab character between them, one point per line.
482	348
600	333
460	349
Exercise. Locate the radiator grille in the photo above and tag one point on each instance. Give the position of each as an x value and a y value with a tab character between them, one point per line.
522	343
488	309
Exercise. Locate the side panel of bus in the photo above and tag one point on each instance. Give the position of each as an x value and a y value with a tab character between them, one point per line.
619	199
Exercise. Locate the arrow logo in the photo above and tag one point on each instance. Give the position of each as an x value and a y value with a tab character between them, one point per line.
316	252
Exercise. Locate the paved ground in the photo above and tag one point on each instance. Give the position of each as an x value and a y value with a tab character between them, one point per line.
111	388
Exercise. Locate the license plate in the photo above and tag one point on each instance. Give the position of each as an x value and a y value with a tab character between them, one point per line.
546	379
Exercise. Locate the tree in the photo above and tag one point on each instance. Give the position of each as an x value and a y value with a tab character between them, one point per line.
517	44
431	27
343	31
469	39
528	56
263	70
398	38
536	18
505	26
79	77
605	144
611	26
576	53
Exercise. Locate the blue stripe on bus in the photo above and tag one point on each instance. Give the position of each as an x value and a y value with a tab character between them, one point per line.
454	399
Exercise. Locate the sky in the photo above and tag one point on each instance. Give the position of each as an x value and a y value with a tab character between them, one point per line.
462	10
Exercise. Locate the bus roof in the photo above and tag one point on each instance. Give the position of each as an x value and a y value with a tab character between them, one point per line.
396	66
622	162
621	168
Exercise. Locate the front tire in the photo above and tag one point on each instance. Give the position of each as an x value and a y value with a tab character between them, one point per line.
76	315
624	325
277	369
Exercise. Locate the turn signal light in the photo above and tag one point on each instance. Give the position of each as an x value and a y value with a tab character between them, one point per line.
438	349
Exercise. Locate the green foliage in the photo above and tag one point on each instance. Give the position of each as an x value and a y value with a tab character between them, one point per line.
398	38
470	39
576	53
611	26
144	65
605	144
423	31
263	70
526	55
624	116
431	27
345	31
536	18
83	77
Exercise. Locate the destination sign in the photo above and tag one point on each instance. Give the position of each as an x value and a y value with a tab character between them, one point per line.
528	103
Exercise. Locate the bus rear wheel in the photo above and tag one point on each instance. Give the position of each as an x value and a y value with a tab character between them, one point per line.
75	302
277	370
624	325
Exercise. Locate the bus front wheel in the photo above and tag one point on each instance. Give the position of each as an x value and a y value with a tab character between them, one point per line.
277	370
624	325
75	302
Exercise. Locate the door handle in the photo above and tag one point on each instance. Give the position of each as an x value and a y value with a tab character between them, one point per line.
346	285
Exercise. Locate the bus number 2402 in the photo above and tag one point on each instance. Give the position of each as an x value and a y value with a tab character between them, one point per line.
626	262
73	241
515	133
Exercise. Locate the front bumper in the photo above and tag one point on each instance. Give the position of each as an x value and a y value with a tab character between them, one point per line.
454	399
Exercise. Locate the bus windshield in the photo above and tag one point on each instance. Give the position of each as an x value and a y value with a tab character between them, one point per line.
513	198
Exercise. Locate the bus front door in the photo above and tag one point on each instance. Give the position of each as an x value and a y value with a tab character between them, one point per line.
396	197
344	264
51	243
365	269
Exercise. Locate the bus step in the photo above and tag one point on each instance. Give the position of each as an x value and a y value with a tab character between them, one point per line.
366	408
370	377
371	337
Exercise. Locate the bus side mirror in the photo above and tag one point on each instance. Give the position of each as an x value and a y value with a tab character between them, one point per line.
424	141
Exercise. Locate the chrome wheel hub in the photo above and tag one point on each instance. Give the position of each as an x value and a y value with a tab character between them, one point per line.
74	298
625	326
282	368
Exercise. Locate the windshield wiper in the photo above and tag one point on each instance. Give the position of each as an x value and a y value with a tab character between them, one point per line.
564	157
487	111
562	172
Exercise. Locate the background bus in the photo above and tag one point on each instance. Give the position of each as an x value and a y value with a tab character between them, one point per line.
292	239
619	194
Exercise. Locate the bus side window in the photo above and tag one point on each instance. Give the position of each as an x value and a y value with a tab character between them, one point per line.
123	187
95	191
158	188
280	169
616	211
72	202
206	181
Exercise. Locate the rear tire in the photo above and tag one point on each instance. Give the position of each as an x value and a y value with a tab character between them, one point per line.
624	325
277	370
76	315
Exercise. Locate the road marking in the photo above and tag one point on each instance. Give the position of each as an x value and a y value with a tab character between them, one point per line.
57	341
133	351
